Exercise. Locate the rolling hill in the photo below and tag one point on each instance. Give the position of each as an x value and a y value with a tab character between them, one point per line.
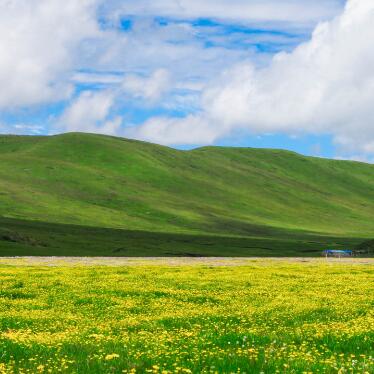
83	193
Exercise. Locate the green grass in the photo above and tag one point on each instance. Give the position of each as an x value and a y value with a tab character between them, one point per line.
263	317
263	198
24	238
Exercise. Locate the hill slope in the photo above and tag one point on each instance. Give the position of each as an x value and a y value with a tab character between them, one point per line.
108	182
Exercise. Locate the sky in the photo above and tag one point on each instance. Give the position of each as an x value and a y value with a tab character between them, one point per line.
290	74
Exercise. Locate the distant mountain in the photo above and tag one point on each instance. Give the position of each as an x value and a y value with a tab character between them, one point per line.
115	183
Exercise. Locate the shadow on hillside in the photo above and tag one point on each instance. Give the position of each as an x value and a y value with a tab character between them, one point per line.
31	238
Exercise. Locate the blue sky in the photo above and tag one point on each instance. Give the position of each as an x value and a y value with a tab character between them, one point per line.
188	73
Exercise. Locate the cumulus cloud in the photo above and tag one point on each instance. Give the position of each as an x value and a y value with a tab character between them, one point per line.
38	41
325	86
164	130
90	112
176	46
48	48
150	88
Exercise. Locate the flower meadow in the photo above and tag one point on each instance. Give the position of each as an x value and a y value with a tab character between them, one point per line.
263	317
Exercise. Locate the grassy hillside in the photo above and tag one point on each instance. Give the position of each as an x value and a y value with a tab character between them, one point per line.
99	181
25	238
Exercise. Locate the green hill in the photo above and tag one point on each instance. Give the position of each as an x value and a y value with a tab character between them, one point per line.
130	188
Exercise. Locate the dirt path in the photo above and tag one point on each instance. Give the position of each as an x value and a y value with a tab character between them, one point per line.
172	261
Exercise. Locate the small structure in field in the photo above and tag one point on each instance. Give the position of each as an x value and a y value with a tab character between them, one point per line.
338	253
365	249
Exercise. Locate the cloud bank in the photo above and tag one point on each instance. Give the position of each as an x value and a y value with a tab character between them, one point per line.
324	86
38	44
205	66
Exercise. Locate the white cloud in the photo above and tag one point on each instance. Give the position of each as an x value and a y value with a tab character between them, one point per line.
90	112
357	158
175	47
43	43
150	88
38	41
181	46
48	47
96	78
325	86
32	129
21	128
300	11
164	130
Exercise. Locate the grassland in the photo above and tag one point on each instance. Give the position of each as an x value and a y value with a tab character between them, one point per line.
79	188
26	238
262	317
